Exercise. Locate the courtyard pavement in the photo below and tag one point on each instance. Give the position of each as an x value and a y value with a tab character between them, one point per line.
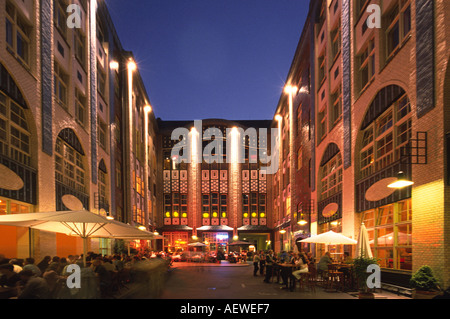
236	281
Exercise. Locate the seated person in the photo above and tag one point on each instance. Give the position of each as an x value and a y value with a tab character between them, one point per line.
9	278
326	260
302	262
33	287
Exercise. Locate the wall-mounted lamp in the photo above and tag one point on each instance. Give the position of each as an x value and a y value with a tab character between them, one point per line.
401	181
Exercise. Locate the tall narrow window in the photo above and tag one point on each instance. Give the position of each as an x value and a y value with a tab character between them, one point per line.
398	25
80	107
367	64
18	33
336	110
60	86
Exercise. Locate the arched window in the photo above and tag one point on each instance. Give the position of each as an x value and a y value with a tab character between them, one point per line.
330	173
69	162
386	129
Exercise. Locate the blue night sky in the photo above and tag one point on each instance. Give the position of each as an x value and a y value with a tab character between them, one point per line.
204	59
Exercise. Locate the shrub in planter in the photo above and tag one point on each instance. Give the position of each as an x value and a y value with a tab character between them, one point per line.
360	265
424	283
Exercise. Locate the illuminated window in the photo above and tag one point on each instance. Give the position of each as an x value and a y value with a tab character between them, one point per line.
331	172
69	168
384	137
390	234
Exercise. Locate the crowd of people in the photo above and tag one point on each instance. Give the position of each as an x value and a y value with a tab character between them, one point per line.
267	263
101	276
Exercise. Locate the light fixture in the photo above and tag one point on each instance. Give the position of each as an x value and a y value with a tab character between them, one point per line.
401	181
156	233
132	65
302	222
109	216
142	228
114	65
147	109
235	237
278	118
290	89
194	237
283	231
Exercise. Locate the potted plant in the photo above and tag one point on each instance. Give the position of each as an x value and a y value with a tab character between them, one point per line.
424	284
360	265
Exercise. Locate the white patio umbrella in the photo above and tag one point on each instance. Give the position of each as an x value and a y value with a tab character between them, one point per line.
330	238
363	247
81	223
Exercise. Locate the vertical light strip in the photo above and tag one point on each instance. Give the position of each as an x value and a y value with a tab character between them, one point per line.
234	177
194	179
131	67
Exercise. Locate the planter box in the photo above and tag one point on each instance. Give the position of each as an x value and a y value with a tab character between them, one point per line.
419	294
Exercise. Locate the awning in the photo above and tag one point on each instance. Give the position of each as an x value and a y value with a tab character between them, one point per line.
215	228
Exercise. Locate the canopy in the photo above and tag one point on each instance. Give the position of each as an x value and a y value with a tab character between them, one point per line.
363	247
197	245
239	243
330	238
82	223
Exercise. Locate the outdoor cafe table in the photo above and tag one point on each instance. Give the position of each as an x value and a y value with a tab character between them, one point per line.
286	274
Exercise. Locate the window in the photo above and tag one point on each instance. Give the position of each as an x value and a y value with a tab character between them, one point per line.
102	189
336	110
322	69
79	47
331	180
102	134
336	41
383	139
69	167
101	81
60	17
206	212
322	123
18	34
300	159
398	23
360	5
80	107
223	206
367	64
60	86
390	231
14	134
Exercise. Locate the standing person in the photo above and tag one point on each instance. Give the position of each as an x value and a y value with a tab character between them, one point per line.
270	260
43	265
262	263
256	261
